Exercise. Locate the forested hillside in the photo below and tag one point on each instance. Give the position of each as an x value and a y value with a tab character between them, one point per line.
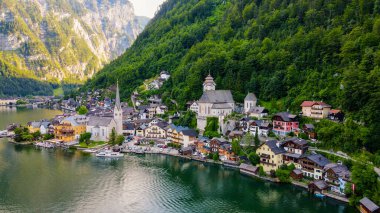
285	51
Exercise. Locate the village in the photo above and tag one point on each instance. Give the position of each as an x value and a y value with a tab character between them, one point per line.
243	136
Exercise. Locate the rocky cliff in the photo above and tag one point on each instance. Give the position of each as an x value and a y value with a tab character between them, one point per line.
64	39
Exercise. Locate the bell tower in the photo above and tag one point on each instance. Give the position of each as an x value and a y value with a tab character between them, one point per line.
118	112
209	83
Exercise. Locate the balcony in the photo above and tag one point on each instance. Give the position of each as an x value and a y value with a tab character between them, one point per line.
265	156
267	163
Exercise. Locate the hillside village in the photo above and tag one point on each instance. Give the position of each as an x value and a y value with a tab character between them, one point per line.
243	136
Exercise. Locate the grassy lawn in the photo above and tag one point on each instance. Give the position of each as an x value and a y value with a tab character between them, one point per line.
92	144
58	91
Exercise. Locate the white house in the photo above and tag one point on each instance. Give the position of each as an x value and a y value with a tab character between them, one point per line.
164	75
194	107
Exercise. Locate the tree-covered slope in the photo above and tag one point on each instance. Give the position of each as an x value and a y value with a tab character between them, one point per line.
287	50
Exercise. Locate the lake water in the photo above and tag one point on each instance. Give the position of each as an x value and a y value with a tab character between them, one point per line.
38	180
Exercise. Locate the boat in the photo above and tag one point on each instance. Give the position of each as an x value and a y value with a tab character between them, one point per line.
139	151
319	195
89	151
109	154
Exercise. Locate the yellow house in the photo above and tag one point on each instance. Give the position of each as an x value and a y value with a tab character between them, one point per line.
69	129
270	154
34	126
181	135
315	109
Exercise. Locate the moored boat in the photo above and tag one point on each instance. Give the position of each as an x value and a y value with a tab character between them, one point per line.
109	154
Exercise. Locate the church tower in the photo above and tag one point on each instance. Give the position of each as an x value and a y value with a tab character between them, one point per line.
118	112
209	83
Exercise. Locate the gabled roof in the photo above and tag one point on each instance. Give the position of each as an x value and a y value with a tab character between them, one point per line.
190	132
99	121
35	124
216	96
272	144
318	159
369	204
298	141
257	110
320	184
221	106
250	97
286	116
312	103
309	126
340	170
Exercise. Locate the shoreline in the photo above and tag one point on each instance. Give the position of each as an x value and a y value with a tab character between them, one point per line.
272	180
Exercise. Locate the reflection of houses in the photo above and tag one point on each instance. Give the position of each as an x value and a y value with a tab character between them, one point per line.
284	123
337	176
312	165
315	109
270	154
7	102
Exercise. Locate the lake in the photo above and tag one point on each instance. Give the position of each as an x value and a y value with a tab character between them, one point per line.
39	180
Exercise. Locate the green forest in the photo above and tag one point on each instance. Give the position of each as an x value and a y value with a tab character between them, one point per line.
285	51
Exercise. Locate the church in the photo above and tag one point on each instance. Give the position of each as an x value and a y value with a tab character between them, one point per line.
101	127
213	103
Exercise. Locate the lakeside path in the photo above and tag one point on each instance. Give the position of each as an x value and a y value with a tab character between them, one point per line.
175	153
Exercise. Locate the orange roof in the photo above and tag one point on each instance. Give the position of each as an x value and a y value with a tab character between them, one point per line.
334	111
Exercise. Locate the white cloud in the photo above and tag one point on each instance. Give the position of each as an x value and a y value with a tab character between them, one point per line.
146	7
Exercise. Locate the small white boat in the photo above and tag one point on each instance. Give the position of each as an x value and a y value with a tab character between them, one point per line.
109	154
89	151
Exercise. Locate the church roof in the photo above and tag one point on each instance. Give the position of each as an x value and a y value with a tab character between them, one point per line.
221	106
250	97
117	101
99	121
216	96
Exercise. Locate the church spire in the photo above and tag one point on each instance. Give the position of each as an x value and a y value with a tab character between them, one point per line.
117	101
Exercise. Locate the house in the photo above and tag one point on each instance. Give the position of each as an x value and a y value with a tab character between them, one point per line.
250	101
295	148
45	127
202	146
76	123
313	165
156	130
181	135
315	109
128	128
337	176
164	75
194	107
64	132
309	130
213	103
284	123
140	131
186	150
270	154
161	109
248	169
226	153
216	143
319	186
296	174
258	112
6	102
367	206
336	115
235	135
34	126
260	126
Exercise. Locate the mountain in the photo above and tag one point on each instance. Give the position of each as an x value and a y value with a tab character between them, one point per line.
285	51
69	40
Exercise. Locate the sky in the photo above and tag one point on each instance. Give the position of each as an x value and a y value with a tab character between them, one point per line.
146	7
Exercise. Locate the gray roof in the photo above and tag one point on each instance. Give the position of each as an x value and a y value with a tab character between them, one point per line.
369	204
248	167
309	126
320	184
318	159
35	124
297	171
286	116
72	120
45	124
190	132
221	106
272	144
216	96
257	110
298	141
340	170
99	121
250	97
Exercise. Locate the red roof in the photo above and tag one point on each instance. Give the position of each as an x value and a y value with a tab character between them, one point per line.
334	111
311	103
